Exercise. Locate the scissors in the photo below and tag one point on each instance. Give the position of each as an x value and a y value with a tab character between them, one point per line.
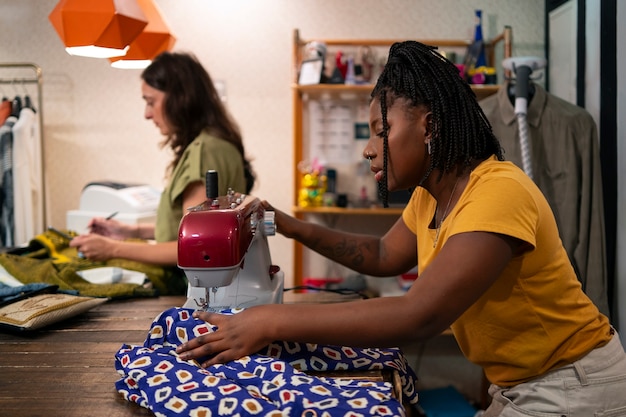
66	236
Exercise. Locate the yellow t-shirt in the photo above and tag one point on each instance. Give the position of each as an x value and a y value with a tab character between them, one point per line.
204	153
535	317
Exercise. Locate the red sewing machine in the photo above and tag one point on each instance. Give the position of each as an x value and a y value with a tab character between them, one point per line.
223	250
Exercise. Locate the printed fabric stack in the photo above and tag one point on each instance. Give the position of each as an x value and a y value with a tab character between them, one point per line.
273	382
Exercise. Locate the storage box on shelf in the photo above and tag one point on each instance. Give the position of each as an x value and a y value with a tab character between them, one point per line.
351	180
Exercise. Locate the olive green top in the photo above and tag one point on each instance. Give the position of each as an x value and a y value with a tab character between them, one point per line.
205	153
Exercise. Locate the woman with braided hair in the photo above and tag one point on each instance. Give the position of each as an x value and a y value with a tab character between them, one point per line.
491	264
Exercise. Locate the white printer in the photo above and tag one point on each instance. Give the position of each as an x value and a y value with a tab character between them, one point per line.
133	204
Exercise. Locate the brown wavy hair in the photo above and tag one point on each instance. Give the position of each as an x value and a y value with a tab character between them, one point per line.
192	105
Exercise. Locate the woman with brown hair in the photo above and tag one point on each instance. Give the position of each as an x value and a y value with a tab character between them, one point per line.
184	104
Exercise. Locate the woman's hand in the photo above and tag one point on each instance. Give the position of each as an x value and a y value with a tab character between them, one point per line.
94	247
236	336
286	225
111	228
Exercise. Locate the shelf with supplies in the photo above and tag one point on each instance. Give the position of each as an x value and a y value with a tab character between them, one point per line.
331	128
352	211
481	90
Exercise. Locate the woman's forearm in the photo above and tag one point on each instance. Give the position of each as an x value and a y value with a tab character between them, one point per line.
355	251
366	323
144	231
164	254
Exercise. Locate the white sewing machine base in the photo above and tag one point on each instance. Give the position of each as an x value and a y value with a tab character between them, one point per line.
240	294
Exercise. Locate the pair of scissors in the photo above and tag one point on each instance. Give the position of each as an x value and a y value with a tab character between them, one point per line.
68	237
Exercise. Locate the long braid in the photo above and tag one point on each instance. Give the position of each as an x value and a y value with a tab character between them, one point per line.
460	130
383	190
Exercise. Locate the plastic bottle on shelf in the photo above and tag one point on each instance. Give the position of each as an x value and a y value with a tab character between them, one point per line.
362	124
350	78
481	61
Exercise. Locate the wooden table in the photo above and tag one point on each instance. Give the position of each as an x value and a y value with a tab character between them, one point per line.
68	369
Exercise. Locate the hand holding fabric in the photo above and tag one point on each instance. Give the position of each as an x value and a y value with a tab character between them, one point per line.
286	225
236	336
94	247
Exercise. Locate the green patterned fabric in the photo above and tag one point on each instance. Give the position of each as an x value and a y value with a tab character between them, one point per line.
49	259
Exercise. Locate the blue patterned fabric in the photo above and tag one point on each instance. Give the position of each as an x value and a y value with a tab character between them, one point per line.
272	382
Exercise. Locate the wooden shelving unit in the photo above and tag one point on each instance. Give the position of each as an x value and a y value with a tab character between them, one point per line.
341	211
301	93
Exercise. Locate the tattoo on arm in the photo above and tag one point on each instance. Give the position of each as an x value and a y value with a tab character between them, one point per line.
349	252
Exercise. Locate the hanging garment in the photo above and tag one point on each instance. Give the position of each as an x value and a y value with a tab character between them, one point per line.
566	167
27	178
6	182
5	109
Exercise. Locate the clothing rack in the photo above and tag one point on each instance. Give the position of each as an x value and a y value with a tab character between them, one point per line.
14	78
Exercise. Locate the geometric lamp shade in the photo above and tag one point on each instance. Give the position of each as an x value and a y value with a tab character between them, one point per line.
154	39
98	28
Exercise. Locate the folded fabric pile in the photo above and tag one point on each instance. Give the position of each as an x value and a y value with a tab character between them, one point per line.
271	382
34	306
49	259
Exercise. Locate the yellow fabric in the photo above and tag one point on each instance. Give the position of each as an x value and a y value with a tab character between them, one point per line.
535	317
31	270
49	259
52	244
206	152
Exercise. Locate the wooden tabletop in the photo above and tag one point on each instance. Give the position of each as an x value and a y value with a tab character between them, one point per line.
68	369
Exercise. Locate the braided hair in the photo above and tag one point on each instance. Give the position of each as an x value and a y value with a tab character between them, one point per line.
460	130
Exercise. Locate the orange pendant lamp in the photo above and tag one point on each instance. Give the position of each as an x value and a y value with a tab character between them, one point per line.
154	39
98	28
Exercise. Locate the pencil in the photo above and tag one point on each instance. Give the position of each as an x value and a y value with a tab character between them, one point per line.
110	216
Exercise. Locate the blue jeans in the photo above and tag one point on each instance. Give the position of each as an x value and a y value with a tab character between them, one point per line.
594	386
